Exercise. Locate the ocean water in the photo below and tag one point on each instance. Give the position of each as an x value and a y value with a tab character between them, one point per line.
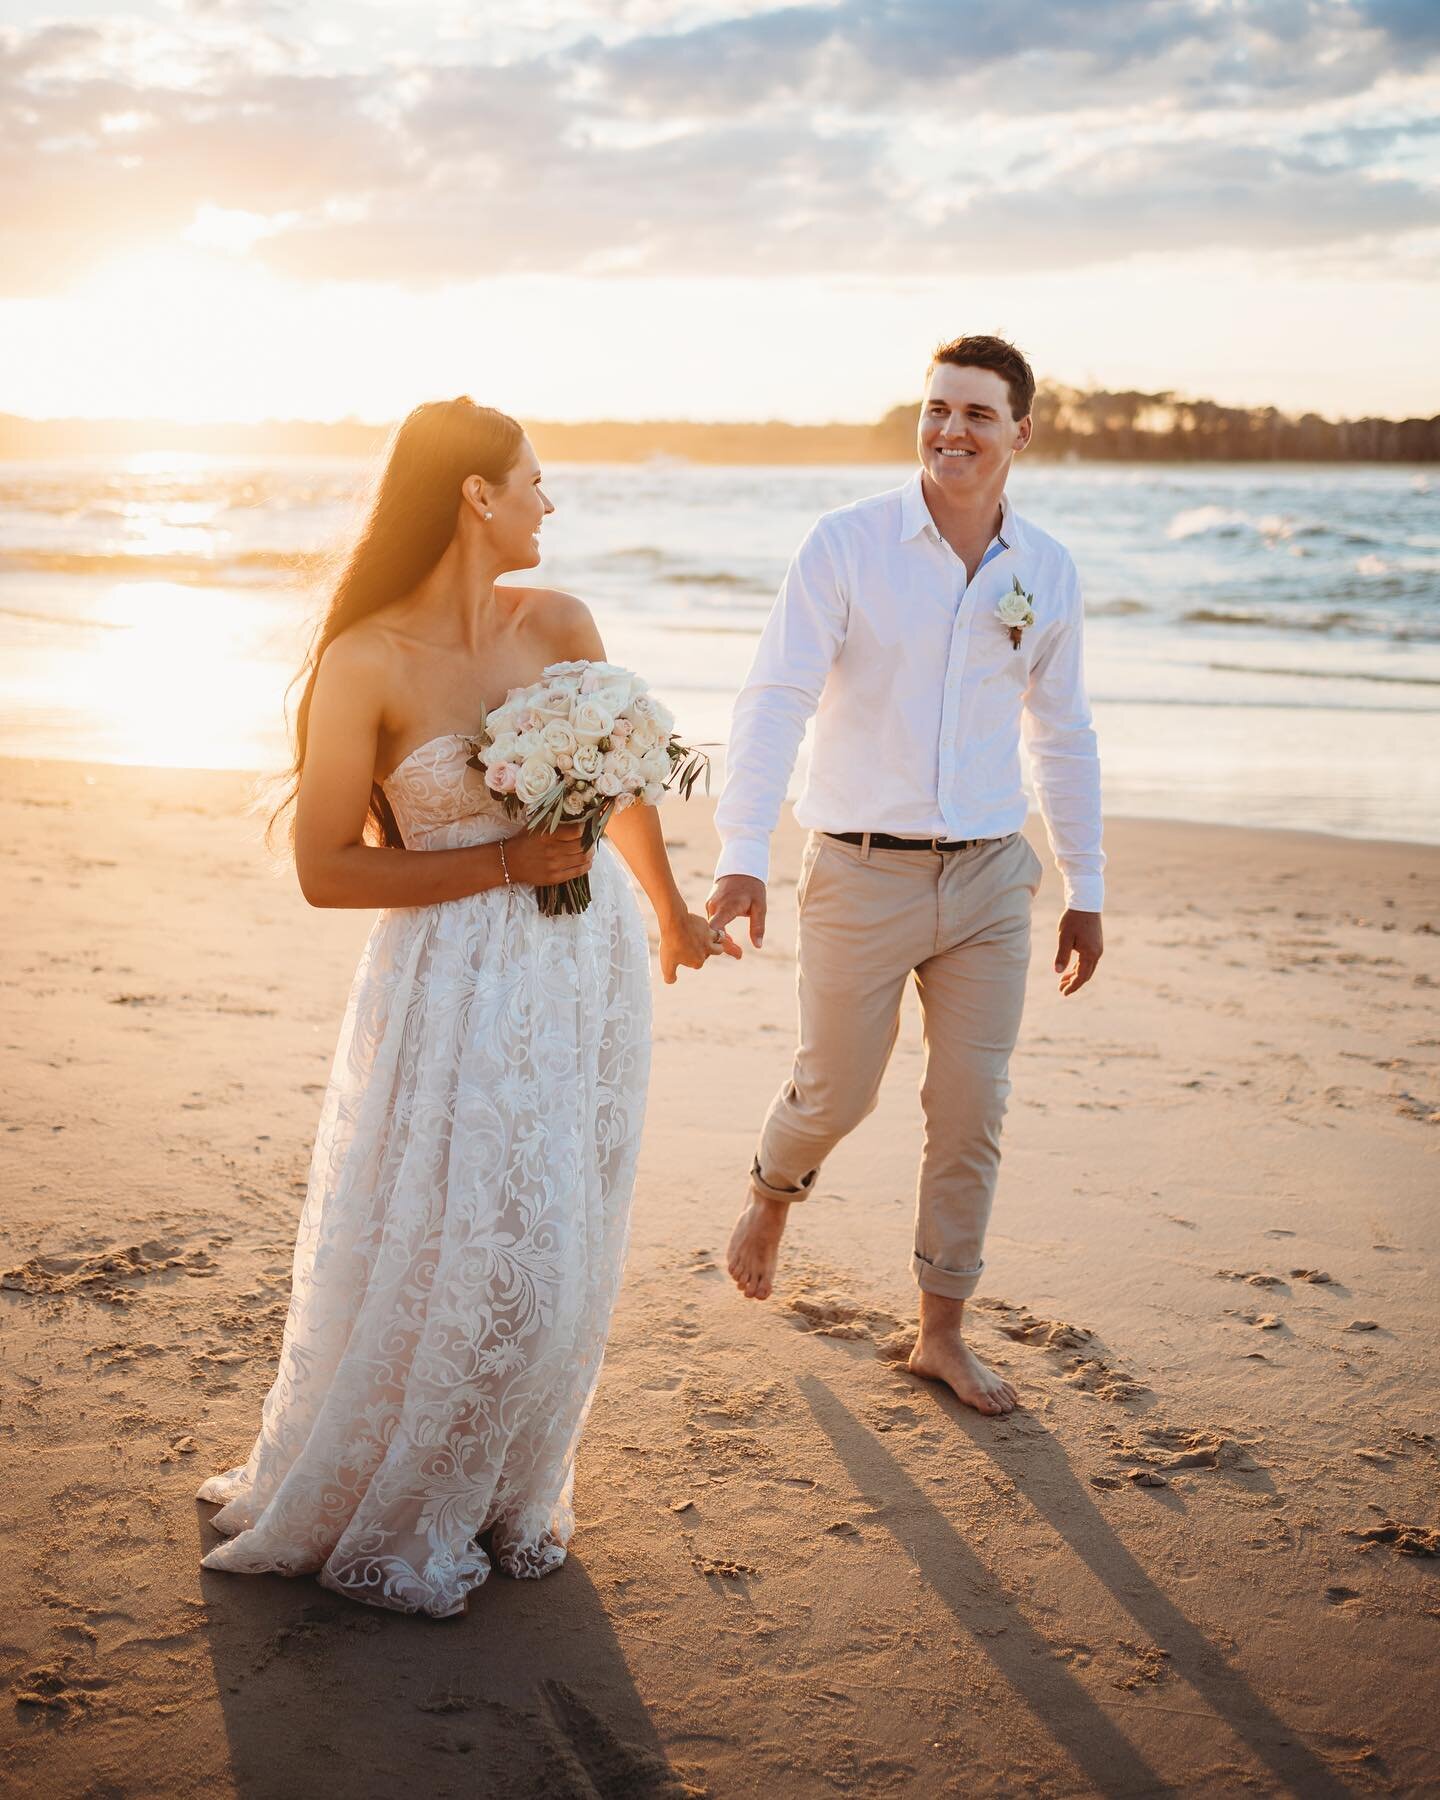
1263	643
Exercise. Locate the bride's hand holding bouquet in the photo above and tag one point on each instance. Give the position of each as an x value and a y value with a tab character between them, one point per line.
568	752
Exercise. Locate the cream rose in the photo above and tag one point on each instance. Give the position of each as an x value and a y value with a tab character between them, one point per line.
528	744
553	702
609	785
559	737
535	779
655	765
588	762
653	793
602	674
624	767
504	749
646	710
591	721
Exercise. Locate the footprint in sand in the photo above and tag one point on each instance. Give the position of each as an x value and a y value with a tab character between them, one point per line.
66	1688
831	1315
1409	1540
1171	1447
722	1568
103	1275
1089	1371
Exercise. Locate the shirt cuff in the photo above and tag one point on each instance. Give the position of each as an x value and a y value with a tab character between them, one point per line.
744	856
1085	894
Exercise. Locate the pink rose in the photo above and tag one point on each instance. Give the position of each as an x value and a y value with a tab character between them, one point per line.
500	778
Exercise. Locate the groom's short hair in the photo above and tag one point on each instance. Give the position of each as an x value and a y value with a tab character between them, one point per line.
990	353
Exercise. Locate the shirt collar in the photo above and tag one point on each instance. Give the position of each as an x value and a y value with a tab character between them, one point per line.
915	516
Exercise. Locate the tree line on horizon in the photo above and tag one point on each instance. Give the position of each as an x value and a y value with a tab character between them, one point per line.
1070	423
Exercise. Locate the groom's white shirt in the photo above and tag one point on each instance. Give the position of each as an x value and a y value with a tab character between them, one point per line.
919	696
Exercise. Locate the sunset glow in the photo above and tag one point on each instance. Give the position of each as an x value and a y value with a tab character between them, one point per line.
693	208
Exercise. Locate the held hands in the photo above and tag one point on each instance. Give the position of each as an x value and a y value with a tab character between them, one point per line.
1082	938
736	897
688	942
547	858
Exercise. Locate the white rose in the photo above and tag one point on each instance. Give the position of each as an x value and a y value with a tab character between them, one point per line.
505	748
559	737
554	702
503	721
609	785
623	766
528	744
655	765
588	762
1014	609
591	722
647	710
565	671
574	804
535	780
653	793
602	674
614	697
644	736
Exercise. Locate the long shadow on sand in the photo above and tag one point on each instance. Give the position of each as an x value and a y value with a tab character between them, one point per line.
1058	1701
525	1697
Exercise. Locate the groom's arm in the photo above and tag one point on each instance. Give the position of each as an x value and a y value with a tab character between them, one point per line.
800	642
1065	763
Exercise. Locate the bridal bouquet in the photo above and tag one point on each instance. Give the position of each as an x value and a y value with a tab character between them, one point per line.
578	745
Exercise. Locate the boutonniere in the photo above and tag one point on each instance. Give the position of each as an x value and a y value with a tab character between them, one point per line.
1016	611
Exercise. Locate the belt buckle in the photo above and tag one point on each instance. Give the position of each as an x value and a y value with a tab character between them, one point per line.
935	845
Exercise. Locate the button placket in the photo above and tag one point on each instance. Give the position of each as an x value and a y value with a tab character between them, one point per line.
950	711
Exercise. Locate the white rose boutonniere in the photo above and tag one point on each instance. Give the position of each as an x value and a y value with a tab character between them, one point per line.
1016	611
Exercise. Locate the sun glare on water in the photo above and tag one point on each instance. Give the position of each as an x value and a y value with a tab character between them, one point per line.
175	680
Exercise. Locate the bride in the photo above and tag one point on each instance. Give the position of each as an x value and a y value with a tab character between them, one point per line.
461	1241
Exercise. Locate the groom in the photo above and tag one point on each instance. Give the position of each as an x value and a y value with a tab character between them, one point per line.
926	628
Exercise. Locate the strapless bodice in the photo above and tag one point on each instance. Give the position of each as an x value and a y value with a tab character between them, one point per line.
441	803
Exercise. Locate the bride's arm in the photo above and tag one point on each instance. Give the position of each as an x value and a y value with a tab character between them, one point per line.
336	867
686	940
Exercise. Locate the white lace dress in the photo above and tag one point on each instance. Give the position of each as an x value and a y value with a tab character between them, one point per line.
461	1242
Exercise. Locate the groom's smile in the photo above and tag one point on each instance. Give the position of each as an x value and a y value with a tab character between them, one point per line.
967	430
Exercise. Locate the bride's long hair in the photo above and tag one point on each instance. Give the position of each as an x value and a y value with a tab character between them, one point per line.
407	530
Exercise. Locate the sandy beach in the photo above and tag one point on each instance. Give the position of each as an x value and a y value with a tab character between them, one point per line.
1202	1558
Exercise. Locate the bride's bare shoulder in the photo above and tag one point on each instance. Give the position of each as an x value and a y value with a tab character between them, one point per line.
361	650
561	621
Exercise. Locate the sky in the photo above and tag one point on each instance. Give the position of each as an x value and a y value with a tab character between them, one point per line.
240	209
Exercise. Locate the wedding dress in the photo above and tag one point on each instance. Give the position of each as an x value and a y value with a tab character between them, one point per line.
461	1242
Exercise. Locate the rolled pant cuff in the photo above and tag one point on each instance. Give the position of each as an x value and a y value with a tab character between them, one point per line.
948	1283
764	1191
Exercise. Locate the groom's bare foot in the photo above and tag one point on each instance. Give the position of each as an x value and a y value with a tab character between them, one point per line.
755	1246
941	1354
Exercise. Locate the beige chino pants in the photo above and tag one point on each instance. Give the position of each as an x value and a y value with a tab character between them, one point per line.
959	921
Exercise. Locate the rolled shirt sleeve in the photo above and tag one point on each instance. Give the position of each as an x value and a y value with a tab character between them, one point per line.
800	642
1064	758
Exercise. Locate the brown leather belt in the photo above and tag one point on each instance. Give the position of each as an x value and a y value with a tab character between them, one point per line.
882	840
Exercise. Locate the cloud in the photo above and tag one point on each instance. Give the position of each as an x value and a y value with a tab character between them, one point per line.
854	136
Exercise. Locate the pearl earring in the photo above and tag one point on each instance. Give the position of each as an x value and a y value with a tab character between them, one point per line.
485	515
